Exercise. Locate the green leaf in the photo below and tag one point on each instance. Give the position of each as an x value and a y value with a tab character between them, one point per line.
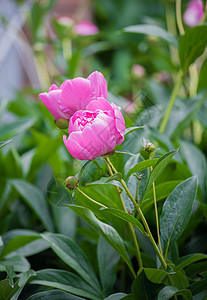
155	275
189	259
4	143
66	281
126	217
53	295
10	130
152	30
17	243
105	230
176	211
143	288
6	290
158	168
35	200
22	242
163	190
131	129
18	262
107	262
196	162
198	287
192	45
73	256
114	180
117	296
143	165
170	291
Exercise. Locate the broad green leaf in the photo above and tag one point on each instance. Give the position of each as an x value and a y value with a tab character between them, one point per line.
131	129
143	288
163	190
10	130
117	296
105	230
155	275
189	259
170	291
191	45
73	256
66	281
17	243
23	242
143	165
23	279
53	295
18	262
158	168
198	287
176	211
4	143
197	164
107	262
6	290
152	30
126	217
114	180
35	200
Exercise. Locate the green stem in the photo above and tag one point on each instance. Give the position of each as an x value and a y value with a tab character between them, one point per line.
179	17
173	96
156	214
159	254
130	225
89	198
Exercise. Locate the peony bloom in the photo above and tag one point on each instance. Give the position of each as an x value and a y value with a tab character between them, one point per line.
95	131
74	94
86	28
194	13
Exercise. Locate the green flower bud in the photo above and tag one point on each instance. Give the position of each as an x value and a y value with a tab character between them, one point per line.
62	123
71	182
149	147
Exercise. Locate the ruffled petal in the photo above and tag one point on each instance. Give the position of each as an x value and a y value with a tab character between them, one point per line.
100	104
99	84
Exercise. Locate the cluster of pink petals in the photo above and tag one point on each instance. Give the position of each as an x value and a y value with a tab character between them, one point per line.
95	131
194	13
74	94
95	126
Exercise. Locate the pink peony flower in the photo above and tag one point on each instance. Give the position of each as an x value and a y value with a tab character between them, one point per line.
95	131
194	13
74	94
86	28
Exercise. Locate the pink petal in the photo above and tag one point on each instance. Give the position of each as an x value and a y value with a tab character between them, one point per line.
53	87
100	104
51	102
194	13
120	124
73	147
76	94
99	84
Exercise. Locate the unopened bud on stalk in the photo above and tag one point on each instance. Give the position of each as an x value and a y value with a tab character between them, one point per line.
71	182
61	123
149	147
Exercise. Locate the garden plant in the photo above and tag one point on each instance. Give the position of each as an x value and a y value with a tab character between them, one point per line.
103	191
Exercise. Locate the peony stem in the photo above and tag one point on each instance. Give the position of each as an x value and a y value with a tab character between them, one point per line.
160	255
89	198
156	213
130	225
173	96
179	17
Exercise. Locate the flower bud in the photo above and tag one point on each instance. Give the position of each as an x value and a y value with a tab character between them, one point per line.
149	147
62	123
138	71
71	182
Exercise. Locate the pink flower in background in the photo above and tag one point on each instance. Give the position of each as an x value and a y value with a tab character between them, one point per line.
74	94
95	131
194	13
86	28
